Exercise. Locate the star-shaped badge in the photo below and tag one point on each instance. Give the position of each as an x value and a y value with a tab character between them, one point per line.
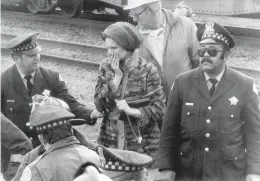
233	101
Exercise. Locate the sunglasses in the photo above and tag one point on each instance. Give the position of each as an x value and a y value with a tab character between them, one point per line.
212	51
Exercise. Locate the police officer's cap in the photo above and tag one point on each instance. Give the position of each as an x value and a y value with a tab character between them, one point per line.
24	43
212	30
48	117
117	160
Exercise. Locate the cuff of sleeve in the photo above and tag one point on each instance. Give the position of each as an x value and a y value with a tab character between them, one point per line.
144	119
91	122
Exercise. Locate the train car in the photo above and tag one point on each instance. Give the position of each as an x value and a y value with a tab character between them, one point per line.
218	7
73	8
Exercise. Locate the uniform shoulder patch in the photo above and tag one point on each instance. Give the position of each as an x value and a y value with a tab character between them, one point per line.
60	78
254	88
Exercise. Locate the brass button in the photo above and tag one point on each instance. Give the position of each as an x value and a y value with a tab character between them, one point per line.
232	115
11	109
235	158
208	121
30	104
206	149
207	135
188	113
209	108
181	153
31	138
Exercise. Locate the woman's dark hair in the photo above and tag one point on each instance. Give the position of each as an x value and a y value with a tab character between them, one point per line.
55	134
82	168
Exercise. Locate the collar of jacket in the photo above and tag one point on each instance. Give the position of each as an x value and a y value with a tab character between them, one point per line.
71	140
227	75
226	82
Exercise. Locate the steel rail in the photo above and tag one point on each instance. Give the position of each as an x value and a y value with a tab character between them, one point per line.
94	65
57	18
62	44
99	50
236	29
61	59
248	71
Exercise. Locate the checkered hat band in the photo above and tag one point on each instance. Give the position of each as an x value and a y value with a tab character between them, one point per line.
24	47
216	36
117	166
45	127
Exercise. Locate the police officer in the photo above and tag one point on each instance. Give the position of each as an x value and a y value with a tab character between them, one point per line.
64	154
16	143
26	78
211	128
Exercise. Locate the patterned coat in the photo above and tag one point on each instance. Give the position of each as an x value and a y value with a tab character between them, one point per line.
143	78
212	138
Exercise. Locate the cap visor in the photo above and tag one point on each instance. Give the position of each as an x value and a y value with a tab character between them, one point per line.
133	6
33	51
128	7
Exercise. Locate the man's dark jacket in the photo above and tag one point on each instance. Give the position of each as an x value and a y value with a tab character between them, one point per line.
15	142
211	138
16	102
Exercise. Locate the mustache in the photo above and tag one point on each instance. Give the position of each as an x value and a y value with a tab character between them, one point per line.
206	59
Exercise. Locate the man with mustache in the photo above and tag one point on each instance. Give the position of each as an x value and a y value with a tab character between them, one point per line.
211	127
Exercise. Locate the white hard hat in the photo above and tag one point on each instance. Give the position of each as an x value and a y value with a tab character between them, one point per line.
136	3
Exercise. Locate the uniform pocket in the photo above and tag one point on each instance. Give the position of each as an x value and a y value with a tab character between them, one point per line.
190	118
233	164
186	157
230	120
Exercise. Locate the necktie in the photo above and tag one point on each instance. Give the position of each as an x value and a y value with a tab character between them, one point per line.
29	84
212	89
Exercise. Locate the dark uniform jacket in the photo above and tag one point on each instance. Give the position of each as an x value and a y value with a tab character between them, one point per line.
15	142
211	138
16	104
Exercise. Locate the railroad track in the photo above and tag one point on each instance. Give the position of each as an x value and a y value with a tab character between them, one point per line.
242	27
94	49
57	18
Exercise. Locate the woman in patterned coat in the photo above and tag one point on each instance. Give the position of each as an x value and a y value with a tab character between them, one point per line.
128	93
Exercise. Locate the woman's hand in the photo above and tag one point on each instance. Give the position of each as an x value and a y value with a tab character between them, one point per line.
96	114
115	65
123	106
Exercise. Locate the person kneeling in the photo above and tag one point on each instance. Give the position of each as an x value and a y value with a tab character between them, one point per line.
63	154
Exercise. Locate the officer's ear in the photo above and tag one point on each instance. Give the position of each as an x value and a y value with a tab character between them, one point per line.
226	52
17	56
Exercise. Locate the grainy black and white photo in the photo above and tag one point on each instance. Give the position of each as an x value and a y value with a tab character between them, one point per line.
130	90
